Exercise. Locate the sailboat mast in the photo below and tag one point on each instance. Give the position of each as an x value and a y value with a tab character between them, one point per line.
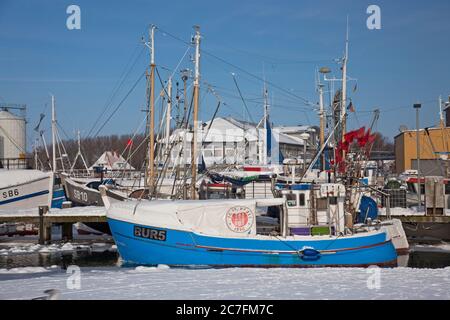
195	113
322	122
151	116
266	116
344	86
53	134
168	113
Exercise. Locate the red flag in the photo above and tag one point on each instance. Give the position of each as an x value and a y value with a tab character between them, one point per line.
129	143
362	140
352	135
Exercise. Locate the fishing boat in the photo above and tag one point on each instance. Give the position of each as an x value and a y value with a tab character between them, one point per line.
320	209
85	193
225	233
25	189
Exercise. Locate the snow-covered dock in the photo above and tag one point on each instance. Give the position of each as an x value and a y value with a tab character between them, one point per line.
236	283
76	214
65	217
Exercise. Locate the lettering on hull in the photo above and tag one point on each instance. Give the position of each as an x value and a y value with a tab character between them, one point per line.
149	233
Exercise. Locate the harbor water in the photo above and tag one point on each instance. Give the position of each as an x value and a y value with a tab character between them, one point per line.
101	253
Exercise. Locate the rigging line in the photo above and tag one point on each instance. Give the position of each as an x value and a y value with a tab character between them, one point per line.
280	60
188	116
288	98
64	131
307	117
242	70
120	104
243	100
118	86
164	86
161	82
283	106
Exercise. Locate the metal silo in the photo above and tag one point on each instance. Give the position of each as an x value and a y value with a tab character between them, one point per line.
12	135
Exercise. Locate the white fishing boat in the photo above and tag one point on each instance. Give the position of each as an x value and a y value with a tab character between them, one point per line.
25	189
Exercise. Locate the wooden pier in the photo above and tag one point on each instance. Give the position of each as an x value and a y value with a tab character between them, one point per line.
46	219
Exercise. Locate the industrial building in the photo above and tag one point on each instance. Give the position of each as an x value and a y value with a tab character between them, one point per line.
434	148
12	137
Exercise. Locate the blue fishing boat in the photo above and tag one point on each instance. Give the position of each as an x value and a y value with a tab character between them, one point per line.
239	233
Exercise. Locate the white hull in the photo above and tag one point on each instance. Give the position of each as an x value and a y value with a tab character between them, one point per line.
24	189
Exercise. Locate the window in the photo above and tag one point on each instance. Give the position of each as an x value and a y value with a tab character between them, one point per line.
229	152
321	204
333	200
302	199
218	152
207	153
447	188
291	199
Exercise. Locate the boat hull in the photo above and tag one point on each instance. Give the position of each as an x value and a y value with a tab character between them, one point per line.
29	192
150	245
427	231
81	195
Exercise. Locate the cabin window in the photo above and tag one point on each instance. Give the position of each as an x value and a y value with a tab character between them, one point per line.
322	204
333	200
447	188
302	199
291	199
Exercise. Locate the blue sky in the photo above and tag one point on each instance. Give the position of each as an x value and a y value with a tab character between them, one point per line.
285	41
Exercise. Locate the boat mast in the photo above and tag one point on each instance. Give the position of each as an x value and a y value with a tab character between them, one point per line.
344	86
322	121
266	115
150	179
53	135
195	113
168	113
442	126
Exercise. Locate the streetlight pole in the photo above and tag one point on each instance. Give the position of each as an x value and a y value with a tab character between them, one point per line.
304	136
417	106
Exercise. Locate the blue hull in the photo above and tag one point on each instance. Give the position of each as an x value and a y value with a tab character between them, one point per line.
58	198
178	247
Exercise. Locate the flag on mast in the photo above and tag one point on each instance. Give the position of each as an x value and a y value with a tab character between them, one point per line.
350	107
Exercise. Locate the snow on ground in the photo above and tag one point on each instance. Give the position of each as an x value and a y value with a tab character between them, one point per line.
235	283
442	247
76	211
26	248
26	270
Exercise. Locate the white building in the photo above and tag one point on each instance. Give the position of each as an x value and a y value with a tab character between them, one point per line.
232	141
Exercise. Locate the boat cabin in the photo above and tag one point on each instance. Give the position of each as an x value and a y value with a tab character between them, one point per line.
314	209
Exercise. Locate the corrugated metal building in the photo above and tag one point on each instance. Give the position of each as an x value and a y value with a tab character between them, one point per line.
434	150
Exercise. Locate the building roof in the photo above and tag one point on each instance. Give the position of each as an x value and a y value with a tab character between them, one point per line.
420	130
111	160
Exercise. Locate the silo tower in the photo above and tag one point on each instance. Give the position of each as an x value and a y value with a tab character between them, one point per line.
12	132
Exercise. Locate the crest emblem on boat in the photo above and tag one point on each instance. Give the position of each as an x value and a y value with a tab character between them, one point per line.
239	219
